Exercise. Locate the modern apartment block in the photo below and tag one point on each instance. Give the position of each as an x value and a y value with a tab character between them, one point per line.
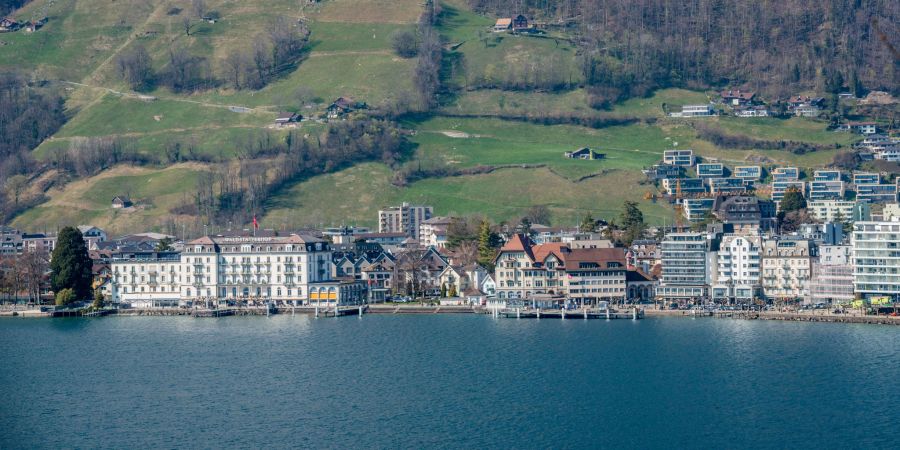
826	190
831	210
787	266
404	219
696	209
694	111
684	186
684	274
738	268
785	174
876	258
832	275
683	158
877	193
866	178
748	173
726	185
779	188
709	170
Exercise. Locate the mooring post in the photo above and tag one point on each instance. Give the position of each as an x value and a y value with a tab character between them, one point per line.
317	311
585	313
607	313
539	313
634	314
518	315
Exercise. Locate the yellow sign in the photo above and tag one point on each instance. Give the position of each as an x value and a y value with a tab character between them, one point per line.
880	300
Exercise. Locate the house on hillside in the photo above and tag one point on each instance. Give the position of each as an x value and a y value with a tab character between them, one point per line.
520	23
805	106
737	97
503	24
8	24
860	127
752	111
121	201
32	26
286	118
342	106
584	153
694	111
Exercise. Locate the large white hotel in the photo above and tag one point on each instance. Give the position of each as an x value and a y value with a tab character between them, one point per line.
293	269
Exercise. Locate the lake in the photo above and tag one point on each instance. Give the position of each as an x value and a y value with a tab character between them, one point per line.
449	381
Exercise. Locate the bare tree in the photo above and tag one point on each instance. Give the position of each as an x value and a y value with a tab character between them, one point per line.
34	266
15	186
199	8
186	24
236	63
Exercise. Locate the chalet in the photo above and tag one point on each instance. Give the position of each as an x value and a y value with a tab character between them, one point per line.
33	26
287	118
121	201
737	97
584	153
342	106
860	127
8	24
520	23
503	25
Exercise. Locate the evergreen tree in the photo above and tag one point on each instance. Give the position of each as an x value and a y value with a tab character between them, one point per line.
452	292
588	224
793	201
70	265
632	222
485	247
164	245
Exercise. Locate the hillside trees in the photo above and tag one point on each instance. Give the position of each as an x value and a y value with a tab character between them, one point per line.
426	75
136	68
777	48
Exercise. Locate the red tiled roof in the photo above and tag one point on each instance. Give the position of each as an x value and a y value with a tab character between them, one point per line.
519	243
737	93
602	256
542	251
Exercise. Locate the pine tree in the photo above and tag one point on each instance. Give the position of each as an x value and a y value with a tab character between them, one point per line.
587	224
632	222
486	245
70	265
793	201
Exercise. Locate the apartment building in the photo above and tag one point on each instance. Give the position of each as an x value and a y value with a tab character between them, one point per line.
433	232
405	219
684	274
787	267
832	275
832	210
748	173
738	269
683	158
710	170
876	258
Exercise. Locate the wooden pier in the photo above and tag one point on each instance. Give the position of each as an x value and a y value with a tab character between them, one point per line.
606	314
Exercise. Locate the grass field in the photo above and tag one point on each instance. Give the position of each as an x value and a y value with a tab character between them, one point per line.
88	201
336	198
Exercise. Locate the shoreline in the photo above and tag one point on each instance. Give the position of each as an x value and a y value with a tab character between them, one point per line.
458	309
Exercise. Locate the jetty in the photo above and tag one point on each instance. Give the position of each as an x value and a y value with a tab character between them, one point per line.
583	313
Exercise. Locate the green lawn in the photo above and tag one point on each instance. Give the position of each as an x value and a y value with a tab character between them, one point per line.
352	37
495	141
652	106
793	129
495	102
335	199
88	201
115	115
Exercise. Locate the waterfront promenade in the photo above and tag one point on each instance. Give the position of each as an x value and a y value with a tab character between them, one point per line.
425	309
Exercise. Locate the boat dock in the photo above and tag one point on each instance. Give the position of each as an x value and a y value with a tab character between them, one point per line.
538	313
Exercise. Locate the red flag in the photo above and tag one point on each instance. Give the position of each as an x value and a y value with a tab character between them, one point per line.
255	223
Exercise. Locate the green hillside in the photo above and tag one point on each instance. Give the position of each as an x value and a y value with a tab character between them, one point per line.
500	89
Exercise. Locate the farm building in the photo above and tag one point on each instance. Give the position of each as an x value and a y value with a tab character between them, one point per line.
584	153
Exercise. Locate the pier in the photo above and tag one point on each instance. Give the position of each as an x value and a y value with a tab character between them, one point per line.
574	314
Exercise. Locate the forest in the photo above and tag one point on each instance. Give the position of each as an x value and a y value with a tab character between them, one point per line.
630	47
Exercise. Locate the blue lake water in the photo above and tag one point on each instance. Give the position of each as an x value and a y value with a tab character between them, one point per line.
446	381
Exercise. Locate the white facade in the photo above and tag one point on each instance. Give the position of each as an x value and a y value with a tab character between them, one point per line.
146	279
405	219
738	268
876	258
828	210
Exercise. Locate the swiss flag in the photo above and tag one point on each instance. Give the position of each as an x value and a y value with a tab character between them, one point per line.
255	223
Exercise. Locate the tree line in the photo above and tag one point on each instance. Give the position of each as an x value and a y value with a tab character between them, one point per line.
239	191
269	55
628	48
